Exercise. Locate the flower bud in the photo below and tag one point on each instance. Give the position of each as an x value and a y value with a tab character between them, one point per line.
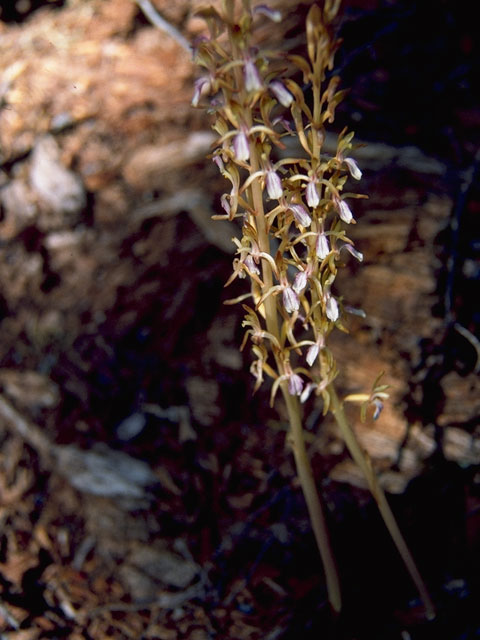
274	185
311	195
282	94
241	148
321	246
332	309
290	300
300	214
353	168
295	384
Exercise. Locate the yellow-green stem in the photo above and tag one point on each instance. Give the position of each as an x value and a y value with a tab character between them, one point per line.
314	505
364	463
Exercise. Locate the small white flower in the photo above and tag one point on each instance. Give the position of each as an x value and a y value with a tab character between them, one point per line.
253	82
332	308
300	214
344	211
241	148
274	185
312	354
300	282
281	93
311	195
321	246
295	384
353	168
290	300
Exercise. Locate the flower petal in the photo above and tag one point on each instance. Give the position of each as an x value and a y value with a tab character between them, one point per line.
266	11
241	148
274	185
290	300
201	85
352	251
311	195
251	266
322	248
300	214
224	201
332	309
312	354
253	82
353	168
309	387
295	384
345	212
300	282
281	93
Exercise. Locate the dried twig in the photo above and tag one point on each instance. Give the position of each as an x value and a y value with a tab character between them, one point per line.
156	19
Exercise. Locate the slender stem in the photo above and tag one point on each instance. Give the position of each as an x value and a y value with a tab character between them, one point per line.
314	505
361	458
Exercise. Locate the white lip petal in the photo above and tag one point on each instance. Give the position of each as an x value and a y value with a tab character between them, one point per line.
295	385
345	212
266	11
352	251
322	248
311	195
253	81
282	94
312	354
290	300
332	309
241	148
301	214
300	282
274	185
353	168
309	387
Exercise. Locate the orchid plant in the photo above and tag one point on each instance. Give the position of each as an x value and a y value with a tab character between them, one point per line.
295	213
